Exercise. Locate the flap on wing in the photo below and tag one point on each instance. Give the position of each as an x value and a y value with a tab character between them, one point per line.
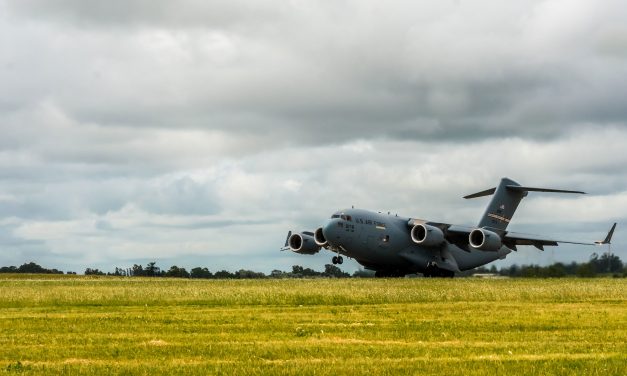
514	239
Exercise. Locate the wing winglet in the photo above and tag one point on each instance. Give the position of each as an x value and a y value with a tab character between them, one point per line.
608	238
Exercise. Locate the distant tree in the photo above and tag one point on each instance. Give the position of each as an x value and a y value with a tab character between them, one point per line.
308	272
556	270
119	271
90	271
334	271
586	270
152	270
297	271
514	271
31	267
248	274
8	269
177	272
278	274
223	274
138	271
199	272
606	263
571	269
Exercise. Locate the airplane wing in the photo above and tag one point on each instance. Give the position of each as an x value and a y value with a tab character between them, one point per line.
514	239
459	235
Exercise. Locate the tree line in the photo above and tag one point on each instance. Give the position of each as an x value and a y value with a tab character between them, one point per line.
152	270
602	265
30	268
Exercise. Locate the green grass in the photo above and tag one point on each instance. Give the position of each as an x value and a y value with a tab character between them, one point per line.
104	325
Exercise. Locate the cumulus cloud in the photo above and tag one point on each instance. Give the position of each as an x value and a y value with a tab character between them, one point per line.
147	129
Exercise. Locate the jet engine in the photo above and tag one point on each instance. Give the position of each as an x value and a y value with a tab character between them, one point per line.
426	235
485	240
303	243
319	237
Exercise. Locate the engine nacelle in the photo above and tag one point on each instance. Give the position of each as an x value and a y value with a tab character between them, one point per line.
319	237
485	240
426	235
303	243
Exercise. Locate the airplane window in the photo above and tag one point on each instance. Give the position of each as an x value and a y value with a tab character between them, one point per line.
343	217
335	216
349	218
340	224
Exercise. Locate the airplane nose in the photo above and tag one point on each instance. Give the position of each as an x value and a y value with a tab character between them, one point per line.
326	229
329	230
324	233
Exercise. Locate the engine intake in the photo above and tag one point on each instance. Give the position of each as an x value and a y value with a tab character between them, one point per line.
319	237
303	243
485	240
426	235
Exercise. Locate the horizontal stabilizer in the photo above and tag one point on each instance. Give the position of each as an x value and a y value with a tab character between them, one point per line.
532	189
487	192
517	188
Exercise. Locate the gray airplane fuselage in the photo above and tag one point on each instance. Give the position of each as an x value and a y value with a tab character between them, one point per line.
382	241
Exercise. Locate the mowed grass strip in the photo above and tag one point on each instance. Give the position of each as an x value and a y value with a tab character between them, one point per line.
107	325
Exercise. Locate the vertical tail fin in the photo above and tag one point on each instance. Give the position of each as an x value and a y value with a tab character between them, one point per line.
506	198
502	206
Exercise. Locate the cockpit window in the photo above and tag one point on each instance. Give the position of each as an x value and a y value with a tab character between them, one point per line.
335	216
349	218
343	217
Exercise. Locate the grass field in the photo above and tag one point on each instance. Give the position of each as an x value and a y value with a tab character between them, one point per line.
82	325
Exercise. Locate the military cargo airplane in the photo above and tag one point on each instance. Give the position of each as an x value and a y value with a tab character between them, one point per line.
395	246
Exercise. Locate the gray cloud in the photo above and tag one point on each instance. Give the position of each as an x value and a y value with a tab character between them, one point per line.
427	71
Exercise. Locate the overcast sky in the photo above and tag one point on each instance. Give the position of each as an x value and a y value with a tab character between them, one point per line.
197	133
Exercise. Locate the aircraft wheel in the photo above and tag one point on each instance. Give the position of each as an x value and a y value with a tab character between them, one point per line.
340	260
334	260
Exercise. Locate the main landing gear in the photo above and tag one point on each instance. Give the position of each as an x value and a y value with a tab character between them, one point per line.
435	272
337	260
389	274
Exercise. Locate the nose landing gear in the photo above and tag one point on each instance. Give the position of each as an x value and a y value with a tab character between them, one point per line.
337	260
